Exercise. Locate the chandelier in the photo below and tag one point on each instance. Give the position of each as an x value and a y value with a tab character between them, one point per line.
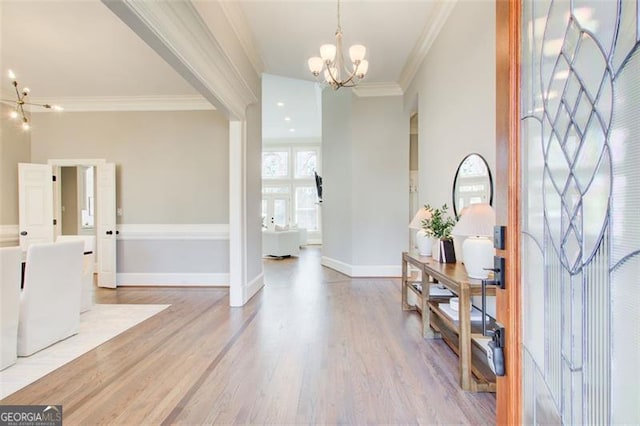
332	60
21	95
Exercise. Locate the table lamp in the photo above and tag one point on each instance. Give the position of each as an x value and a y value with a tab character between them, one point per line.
477	224
423	240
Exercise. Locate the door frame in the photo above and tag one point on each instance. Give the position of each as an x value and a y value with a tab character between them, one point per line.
507	203
56	164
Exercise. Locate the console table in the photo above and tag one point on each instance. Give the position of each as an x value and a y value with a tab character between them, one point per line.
463	335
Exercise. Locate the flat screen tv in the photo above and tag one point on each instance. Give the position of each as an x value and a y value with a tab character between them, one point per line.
318	186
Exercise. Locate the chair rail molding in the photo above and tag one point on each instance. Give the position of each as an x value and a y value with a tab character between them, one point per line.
205	231
9	234
177	32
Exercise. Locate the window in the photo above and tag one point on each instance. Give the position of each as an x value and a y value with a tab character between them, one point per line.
288	190
275	164
306	209
306	164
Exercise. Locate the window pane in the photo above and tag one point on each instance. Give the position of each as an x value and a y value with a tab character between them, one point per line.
275	190
265	212
280	212
306	208
275	164
306	163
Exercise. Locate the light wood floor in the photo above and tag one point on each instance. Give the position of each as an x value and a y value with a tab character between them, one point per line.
312	347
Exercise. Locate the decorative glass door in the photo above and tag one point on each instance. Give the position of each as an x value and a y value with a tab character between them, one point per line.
580	76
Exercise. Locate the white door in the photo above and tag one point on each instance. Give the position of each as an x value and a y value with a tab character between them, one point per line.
275	208
581	228
35	189
106	218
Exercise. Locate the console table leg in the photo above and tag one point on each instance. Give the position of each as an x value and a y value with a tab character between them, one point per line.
403	285
464	343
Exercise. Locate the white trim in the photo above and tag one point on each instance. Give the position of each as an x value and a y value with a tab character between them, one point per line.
72	162
237	224
254	286
339	266
238	21
314	241
173	279
436	19
9	234
128	103
362	270
366	90
179	34
205	231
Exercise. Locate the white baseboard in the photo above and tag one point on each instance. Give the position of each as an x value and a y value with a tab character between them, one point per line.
9	235
173	279
339	266
362	270
253	287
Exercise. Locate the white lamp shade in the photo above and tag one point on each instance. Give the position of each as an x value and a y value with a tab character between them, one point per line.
478	256
357	52
416	222
328	52
477	220
363	68
315	64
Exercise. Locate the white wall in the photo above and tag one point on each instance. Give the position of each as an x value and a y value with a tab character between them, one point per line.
365	153
455	88
456	99
15	147
254	198
337	148
172	174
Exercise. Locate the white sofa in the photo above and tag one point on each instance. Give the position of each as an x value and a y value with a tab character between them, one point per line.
86	294
281	243
10	271
50	299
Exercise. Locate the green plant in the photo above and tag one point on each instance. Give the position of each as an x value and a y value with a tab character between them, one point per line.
440	224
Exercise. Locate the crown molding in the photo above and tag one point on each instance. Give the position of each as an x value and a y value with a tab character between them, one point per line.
127	103
366	90
435	21
178	33
238	21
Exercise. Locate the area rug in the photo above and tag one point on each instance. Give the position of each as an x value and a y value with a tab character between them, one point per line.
98	325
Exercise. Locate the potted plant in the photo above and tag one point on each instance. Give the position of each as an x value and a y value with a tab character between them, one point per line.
439	227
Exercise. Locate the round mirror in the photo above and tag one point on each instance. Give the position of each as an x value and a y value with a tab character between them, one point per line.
473	183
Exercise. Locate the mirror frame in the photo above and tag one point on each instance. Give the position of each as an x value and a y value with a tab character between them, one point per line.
455	181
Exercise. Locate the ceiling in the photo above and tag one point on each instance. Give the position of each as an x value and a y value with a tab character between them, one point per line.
80	49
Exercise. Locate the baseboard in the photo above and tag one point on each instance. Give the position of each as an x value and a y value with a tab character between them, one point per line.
253	287
337	265
173	279
9	235
362	270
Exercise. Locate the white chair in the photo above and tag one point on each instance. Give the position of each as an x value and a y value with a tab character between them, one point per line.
10	270
86	295
50	299
280	243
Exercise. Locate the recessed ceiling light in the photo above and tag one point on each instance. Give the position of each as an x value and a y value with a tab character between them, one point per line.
280	104
287	119
292	130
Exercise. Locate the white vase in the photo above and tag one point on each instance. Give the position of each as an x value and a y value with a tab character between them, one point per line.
435	249
424	243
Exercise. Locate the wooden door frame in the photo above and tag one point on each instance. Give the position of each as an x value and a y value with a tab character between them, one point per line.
507	205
